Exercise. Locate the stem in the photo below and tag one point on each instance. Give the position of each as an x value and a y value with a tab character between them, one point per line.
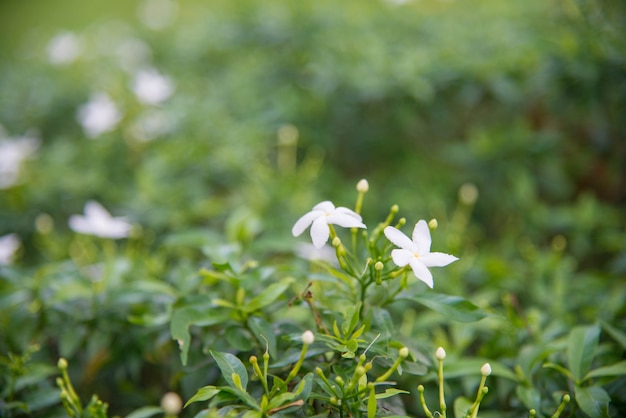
442	399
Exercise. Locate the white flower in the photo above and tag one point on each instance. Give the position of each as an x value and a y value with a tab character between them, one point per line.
150	87
171	404
99	115
12	153
308	337
322	215
63	48
97	221
416	253
8	245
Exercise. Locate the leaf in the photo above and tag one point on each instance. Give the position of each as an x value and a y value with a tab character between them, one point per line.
530	397
238	338
371	404
244	396
390	392
304	387
280	400
617	369
184	317
145	412
593	400
617	334
461	406
581	348
269	295
203	394
228	365
453	307
264	333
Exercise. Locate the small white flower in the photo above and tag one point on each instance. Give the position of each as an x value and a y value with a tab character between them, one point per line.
322	215
97	221
13	152
8	246
171	403
99	115
416	252
485	370
152	88
63	49
440	354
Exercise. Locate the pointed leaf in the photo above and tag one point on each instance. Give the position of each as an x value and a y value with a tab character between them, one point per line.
453	307
581	349
203	394
617	369
593	400
228	365
145	412
618	335
244	396
462	406
390	392
184	317
267	296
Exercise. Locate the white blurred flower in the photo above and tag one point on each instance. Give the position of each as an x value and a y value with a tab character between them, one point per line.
322	215
157	14
64	48
133	53
309	252
99	115
8	246
99	222
308	337
13	151
416	252
150	125
171	403
150	87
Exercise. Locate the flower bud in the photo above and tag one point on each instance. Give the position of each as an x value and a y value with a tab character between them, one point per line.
378	266
362	186
171	403
485	370
432	224
308	337
62	363
336	242
403	352
468	193
440	354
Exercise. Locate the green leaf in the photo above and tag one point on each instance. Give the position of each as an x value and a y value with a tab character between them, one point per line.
203	394
371	404
593	400
390	392
184	317
617	369
228	365
145	412
453	307
280	400
269	295
581	349
264	333
304	387
530	396
238	338
462	406
617	334
244	396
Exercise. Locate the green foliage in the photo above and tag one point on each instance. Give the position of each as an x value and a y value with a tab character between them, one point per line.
503	120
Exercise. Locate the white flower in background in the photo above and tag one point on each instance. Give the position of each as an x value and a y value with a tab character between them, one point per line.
416	252
157	14
171	404
322	215
99	115
13	152
150	125
99	222
150	87
309	252
63	49
132	54
8	246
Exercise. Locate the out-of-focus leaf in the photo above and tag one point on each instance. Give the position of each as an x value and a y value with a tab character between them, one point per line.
228	365
267	296
264	333
593	400
184	317
581	349
617	369
453	307
145	412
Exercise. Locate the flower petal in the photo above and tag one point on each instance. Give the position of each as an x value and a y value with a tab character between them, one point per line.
347	211
399	239
325	206
305	221
80	224
437	259
344	220
421	237
95	212
401	257
421	271
320	232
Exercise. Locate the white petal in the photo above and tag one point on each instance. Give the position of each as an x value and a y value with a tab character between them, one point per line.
437	259
305	221
115	228
320	232
344	220
79	223
421	237
94	211
325	206
421	272
347	211
399	239
401	257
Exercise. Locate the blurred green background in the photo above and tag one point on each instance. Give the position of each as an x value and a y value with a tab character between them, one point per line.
504	120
